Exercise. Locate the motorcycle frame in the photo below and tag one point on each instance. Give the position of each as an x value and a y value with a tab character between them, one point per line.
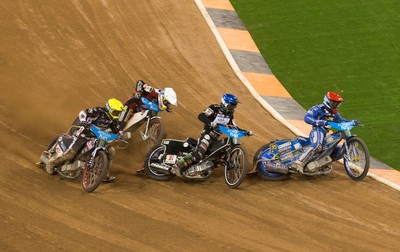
135	124
144	134
229	143
98	145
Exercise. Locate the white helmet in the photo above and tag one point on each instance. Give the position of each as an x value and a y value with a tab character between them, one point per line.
166	97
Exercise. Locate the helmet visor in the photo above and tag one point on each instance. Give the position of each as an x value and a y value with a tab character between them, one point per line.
114	113
231	106
165	102
334	104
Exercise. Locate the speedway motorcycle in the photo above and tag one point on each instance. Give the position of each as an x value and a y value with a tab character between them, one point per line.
273	161
146	120
227	151
92	161
153	130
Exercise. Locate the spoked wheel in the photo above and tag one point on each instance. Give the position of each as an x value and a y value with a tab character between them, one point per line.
154	156
236	169
155	133
93	176
356	159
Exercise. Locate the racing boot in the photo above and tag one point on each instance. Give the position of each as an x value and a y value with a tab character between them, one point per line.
108	178
298	166
176	170
58	160
303	159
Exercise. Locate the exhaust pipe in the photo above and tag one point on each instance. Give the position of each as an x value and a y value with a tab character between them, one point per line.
163	168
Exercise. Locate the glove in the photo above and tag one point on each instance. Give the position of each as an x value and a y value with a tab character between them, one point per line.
84	124
357	122
249	133
137	95
121	135
321	123
139	85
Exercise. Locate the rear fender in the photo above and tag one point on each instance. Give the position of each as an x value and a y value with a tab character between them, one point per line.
137	117
174	146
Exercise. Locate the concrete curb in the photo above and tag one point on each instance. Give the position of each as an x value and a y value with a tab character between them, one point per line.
237	46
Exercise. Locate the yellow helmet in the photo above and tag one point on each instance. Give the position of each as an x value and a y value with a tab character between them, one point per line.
114	108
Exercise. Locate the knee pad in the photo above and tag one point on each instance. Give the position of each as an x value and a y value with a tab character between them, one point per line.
318	148
204	144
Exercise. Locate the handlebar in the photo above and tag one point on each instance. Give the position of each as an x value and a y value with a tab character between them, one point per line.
345	126
233	132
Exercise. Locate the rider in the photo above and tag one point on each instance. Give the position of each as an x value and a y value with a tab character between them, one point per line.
163	97
105	118
319	116
212	116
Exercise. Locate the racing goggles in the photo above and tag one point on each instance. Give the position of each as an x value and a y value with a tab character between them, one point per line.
165	102
115	113
334	104
230	107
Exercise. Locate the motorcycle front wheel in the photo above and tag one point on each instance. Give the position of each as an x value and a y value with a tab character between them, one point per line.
236	168
93	176
155	133
356	160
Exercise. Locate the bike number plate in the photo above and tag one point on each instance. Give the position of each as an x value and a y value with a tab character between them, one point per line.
59	150
170	159
89	145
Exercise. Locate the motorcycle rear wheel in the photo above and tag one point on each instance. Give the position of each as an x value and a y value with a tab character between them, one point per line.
237	167
153	156
92	177
356	161
263	173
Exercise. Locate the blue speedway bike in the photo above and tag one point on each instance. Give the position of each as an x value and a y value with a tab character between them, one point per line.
227	151
273	161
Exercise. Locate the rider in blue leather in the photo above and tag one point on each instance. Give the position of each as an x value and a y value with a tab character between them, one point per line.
318	116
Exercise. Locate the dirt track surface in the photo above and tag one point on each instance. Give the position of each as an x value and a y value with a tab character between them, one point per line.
58	57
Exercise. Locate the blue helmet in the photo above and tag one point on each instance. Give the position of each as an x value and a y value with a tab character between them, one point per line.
229	102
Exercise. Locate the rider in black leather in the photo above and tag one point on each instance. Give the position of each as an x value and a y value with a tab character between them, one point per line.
102	117
212	116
